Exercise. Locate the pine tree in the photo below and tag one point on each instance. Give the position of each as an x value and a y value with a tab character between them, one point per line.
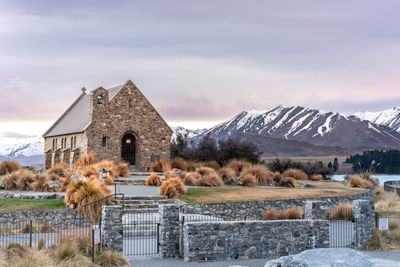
330	165
335	165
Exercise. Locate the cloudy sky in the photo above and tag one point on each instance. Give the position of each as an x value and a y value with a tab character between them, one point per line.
199	62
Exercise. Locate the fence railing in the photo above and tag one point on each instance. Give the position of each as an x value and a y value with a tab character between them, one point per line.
392	186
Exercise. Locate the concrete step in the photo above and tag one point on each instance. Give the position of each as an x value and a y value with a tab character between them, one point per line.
140	206
144	201
156	198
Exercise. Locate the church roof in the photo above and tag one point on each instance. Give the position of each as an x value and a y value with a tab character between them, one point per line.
77	117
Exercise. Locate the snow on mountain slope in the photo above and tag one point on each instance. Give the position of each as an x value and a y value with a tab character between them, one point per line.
310	125
389	118
190	133
22	149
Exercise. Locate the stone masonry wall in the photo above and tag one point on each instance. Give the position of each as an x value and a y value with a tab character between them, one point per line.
56	218
112	228
365	221
117	117
254	209
252	239
169	231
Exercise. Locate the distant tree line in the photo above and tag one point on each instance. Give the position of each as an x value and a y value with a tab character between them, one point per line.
377	161
335	166
209	149
311	168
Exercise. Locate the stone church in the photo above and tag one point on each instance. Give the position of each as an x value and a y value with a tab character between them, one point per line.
117	124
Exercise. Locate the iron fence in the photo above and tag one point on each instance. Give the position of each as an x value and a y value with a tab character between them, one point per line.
342	233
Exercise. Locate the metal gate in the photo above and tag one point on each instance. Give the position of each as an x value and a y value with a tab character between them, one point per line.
342	233
140	234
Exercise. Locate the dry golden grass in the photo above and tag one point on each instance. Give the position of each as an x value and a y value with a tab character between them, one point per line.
191	178
192	165
206	171
239	193
211	164
123	169
296	174
211	179
341	211
40	184
249	180
153	180
88	159
228	176
179	163
262	174
238	165
277	178
160	166
173	188
356	181
9	166
108	166
376	242
287	214
58	170
386	201
18	180
10	181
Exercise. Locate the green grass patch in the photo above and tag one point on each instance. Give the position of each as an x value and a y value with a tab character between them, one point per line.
10	204
192	194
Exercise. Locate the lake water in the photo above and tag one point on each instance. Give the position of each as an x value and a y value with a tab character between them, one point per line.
381	177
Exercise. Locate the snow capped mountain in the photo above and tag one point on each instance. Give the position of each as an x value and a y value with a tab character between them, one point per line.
22	149
309	125
190	133
389	118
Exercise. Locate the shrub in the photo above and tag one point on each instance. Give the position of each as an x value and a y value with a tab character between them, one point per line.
58	170
316	178
173	188
160	166
387	201
228	176
191	178
110	259
14	250
179	163
238	165
123	169
262	174
40	183
296	174
277	178
10	181
356	181
310	168
153	180
86	160
8	166
205	171
108	166
211	164
375	243
288	182
249	180
341	211
211	179
89	170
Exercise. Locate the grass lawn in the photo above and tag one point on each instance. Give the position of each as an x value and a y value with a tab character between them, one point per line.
239	193
10	204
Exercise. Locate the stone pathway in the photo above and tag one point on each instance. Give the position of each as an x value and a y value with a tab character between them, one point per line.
31	195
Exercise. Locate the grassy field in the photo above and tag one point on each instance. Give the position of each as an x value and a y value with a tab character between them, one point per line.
10	204
239	193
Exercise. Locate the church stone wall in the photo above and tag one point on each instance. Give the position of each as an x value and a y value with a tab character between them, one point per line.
128	112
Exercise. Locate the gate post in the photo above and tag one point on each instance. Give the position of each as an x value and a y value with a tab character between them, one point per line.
111	228
315	210
169	231
365	221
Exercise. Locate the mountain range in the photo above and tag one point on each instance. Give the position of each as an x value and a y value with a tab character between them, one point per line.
280	131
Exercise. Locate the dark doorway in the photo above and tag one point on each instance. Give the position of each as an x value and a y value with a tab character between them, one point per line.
128	149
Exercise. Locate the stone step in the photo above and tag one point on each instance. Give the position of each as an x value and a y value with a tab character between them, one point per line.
140	206
135	182
131	210
156	198
150	202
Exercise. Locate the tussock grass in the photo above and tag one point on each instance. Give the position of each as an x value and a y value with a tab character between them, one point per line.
191	178
288	182
192	165
85	160
286	214
296	174
228	176
249	180
173	188
238	165
110	259
160	166
316	177
386	201
8	166
153	180
123	169
341	211
58	170
262	174
179	163
376	242
40	184
211	164
356	181
209	177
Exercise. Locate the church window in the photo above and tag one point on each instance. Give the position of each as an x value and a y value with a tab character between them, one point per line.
100	100
72	141
130	101
104	140
62	143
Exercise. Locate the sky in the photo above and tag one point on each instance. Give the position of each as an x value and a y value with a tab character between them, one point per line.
198	62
